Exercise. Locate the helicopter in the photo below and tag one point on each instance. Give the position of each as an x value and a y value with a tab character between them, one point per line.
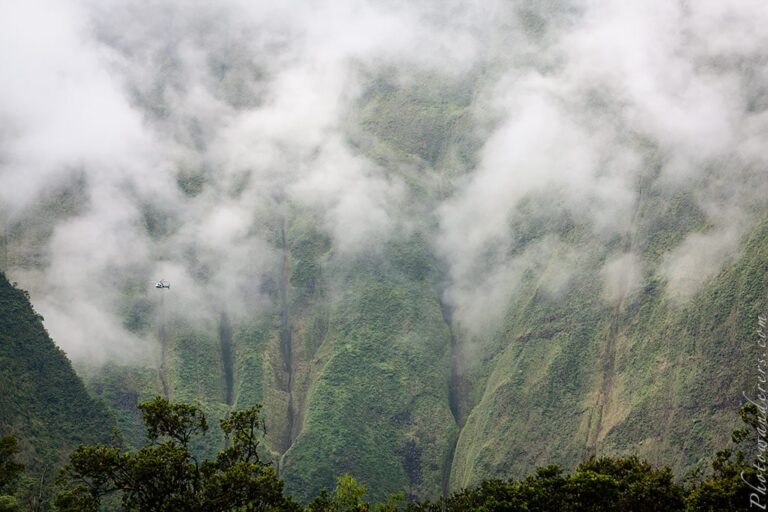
163	284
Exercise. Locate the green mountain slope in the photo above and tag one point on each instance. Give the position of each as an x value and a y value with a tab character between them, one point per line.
377	405
647	376
363	366
42	401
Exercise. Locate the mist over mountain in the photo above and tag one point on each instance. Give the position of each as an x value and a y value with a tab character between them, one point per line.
42	400
438	241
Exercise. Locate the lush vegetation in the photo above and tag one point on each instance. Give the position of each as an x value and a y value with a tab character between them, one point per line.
164	475
42	401
10	471
371	326
172	465
353	357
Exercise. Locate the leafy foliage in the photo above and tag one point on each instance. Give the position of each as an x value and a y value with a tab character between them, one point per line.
42	401
606	484
165	475
10	471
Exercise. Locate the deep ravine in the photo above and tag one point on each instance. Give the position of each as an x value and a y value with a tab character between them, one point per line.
454	393
286	339
227	357
164	349
608	370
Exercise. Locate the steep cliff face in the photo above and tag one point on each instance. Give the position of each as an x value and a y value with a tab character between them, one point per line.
363	367
364	359
42	401
574	377
377	400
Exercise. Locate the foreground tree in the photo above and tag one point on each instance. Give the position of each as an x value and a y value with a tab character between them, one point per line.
348	497
625	483
726	486
10	471
165	475
603	484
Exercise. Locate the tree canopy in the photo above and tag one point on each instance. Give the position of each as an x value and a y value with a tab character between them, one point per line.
165	475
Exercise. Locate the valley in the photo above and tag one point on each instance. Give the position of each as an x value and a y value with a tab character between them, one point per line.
451	245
